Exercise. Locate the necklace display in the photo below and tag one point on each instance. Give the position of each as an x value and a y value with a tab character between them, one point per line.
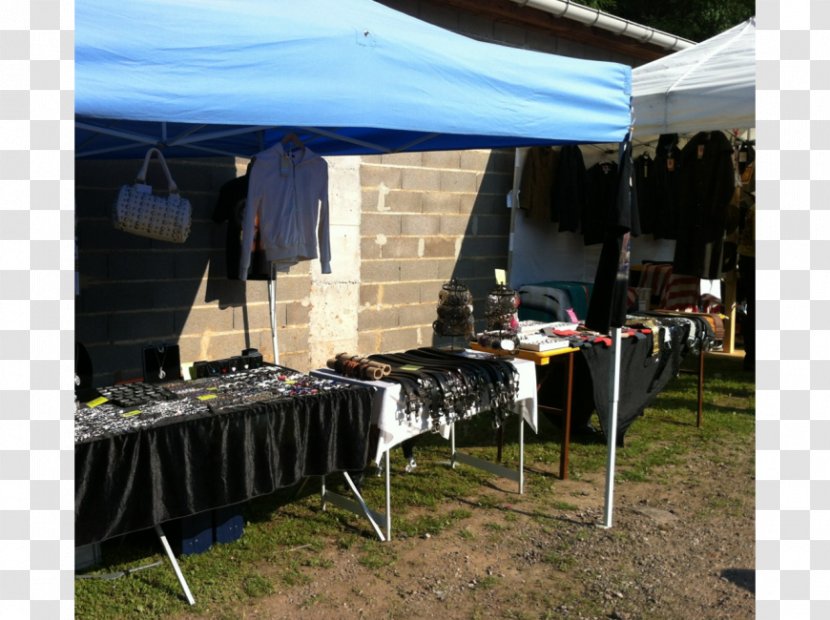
163	350
128	407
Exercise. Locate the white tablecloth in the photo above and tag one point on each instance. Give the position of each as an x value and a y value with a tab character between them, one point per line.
389	416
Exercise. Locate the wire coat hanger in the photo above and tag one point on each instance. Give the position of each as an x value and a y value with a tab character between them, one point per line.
293	139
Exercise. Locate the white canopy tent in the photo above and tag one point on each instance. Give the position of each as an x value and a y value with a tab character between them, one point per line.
706	87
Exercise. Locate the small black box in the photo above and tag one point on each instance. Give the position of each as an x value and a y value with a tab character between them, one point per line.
251	358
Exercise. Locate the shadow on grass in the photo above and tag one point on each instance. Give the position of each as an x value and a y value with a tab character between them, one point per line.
690	423
741	577
533	515
159	585
678	404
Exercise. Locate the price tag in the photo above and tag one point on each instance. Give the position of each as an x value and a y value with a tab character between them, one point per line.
501	276
130	414
206	396
98	401
410	367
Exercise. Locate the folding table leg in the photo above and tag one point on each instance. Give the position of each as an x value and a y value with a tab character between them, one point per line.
358	507
521	455
700	391
388	500
367	512
175	564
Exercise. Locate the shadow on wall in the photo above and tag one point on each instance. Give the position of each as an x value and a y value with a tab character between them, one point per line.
136	291
485	241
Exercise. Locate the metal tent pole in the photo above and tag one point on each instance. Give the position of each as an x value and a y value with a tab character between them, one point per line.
272	309
611	428
182	582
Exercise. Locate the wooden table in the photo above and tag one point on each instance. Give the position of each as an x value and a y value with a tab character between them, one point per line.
543	359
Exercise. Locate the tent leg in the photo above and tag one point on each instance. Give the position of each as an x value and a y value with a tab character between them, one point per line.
612	428
176	569
272	308
513	200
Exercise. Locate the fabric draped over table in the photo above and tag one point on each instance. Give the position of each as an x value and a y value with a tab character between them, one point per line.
132	481
643	375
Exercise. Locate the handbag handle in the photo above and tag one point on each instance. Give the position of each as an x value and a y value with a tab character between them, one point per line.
142	174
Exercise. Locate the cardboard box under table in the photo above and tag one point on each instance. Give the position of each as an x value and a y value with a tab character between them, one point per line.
394	426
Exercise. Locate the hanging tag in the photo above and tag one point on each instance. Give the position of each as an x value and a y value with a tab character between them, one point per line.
701	148
501	276
285	164
670	164
742	157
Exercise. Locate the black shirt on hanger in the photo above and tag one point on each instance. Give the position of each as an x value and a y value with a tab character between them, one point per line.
600	201
644	167
230	207
569	189
665	185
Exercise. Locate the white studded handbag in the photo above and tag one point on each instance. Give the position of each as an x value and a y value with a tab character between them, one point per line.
139	211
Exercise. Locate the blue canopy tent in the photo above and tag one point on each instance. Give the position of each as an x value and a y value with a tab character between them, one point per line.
231	77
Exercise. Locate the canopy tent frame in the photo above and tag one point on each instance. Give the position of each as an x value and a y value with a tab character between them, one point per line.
186	139
441	91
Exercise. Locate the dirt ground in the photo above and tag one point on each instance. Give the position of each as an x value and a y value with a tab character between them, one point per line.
681	548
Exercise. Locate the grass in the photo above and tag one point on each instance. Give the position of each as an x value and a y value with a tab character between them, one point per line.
288	537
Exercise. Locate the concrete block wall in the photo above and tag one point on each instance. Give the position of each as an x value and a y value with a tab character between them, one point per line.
136	291
401	226
428	217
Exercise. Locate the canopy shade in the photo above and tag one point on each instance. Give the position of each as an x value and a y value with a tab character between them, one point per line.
230	77
706	87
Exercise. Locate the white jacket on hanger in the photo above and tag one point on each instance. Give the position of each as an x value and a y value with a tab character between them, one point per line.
288	192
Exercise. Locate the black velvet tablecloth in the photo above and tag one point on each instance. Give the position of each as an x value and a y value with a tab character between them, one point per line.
131	481
643	375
